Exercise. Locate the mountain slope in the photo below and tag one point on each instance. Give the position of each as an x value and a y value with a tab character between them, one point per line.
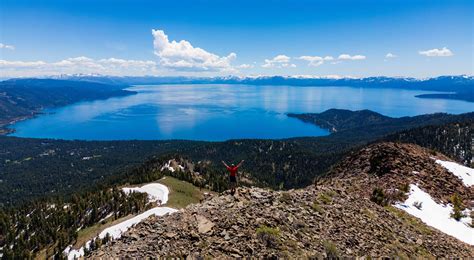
337	216
22	98
369	123
452	139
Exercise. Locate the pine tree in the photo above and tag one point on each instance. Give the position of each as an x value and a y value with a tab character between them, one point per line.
458	207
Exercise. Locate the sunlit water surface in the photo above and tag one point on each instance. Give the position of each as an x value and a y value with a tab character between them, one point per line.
220	112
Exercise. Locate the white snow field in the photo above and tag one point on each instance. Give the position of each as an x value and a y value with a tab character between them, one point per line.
117	230
466	174
155	191
437	215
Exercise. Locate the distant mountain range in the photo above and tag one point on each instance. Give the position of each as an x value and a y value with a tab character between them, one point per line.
301	80
460	87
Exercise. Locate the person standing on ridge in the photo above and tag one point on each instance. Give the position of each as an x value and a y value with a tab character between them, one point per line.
233	175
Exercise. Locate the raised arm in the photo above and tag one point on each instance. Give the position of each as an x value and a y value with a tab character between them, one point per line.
225	164
240	163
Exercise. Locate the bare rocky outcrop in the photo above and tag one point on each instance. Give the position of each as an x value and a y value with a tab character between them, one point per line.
392	166
334	217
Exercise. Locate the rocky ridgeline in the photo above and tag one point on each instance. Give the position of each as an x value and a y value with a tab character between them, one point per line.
392	167
331	218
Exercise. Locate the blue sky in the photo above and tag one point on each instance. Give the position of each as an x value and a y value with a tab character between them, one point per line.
347	38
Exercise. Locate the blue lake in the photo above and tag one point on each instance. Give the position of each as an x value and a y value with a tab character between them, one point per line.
220	112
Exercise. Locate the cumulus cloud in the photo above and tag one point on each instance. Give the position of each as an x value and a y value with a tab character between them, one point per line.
316	60
349	57
84	65
279	61
390	55
6	46
444	52
182	56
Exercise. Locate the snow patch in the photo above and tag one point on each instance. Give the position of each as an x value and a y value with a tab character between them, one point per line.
437	215
156	192
73	253
466	174
167	166
106	217
117	230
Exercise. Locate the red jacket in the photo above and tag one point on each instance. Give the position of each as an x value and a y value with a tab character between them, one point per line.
232	170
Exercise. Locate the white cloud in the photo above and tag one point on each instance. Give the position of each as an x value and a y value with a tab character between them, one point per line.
4	64
444	52
279	61
349	57
85	65
182	56
316	60
390	55
6	46
319	60
245	66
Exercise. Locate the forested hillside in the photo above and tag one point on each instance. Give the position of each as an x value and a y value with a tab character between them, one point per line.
35	168
454	139
54	223
23	98
372	123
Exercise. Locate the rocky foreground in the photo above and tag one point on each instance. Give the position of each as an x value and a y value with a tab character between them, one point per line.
332	218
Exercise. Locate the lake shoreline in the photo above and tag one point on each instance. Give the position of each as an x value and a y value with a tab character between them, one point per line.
216	112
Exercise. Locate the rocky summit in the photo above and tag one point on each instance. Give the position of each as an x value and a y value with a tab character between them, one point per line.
335	217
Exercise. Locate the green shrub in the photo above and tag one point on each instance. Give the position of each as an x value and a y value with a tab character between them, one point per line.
326	197
405	188
286	198
331	250
269	236
379	197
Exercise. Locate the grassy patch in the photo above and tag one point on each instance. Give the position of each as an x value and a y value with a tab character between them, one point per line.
368	213
409	220
316	207
181	193
326	197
